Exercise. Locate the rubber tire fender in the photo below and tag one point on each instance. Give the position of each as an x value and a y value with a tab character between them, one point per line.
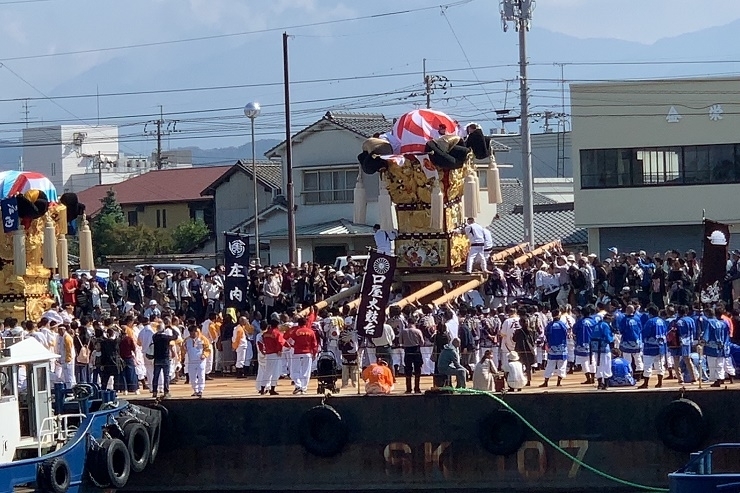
681	425
138	444
155	429
323	432
501	432
54	476
165	421
110	465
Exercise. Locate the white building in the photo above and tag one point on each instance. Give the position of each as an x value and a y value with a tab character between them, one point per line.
650	157
77	157
63	151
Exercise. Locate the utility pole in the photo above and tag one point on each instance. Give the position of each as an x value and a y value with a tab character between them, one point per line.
520	12
562	125
292	244
162	127
26	113
432	83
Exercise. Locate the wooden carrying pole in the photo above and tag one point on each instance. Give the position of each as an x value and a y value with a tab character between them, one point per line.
355	303
332	299
458	292
553	245
416	296
514	251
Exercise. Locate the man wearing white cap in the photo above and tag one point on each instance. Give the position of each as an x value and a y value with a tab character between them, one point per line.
152	309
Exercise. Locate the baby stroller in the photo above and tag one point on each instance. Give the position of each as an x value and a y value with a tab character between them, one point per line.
327	372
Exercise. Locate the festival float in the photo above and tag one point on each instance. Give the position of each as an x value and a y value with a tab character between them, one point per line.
56	439
429	169
34	245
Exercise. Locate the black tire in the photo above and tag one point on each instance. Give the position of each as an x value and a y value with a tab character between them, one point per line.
54	476
165	422
110	465
156	436
138	444
681	426
323	432
501	432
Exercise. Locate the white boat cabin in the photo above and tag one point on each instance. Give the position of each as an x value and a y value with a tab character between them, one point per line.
25	396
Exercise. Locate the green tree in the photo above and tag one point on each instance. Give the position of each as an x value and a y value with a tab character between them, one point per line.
188	235
107	222
140	240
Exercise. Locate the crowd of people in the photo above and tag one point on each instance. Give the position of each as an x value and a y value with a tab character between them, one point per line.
619	321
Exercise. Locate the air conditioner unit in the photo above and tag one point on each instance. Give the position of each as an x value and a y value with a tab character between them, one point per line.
78	138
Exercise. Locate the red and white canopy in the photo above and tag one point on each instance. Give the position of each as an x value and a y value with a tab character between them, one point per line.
414	129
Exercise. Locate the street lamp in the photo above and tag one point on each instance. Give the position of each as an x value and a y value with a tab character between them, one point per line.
252	111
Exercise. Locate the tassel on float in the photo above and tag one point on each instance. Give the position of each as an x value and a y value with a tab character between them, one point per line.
63	257
359	215
19	252
493	183
50	244
385	208
86	249
438	206
477	192
469	192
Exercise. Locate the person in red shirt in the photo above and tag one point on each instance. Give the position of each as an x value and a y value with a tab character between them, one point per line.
305	346
127	350
272	347
69	290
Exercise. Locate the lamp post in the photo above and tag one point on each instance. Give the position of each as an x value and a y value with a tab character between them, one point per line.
252	111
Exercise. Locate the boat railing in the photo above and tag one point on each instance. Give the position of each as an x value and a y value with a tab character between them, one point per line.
57	430
701	462
10	340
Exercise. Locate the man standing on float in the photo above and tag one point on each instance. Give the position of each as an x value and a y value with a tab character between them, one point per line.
477	237
383	239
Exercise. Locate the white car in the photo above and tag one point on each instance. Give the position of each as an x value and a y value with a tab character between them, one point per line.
102	273
341	262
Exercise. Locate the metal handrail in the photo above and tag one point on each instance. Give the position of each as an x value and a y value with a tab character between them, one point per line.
701	462
58	429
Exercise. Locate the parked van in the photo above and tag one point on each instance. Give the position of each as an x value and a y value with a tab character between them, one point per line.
172	268
341	262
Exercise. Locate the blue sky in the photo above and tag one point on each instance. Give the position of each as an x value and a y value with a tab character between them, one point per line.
363	65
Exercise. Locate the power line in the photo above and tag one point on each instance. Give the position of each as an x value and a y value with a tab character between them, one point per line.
233	35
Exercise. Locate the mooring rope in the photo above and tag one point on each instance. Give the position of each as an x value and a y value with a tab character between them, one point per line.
556	446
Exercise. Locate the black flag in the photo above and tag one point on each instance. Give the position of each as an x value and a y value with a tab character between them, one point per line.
376	289
714	260
236	261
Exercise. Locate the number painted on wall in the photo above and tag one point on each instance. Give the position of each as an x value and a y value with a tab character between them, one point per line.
398	458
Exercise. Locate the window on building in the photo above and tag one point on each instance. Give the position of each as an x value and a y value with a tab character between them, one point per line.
199	215
53	169
133	218
161	218
321	187
687	165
